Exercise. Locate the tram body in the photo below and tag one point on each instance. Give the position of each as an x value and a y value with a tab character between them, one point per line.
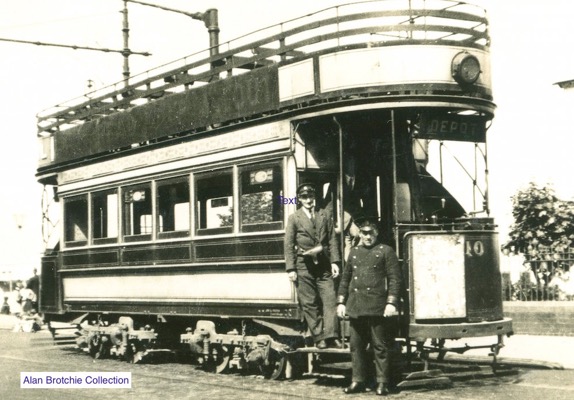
174	191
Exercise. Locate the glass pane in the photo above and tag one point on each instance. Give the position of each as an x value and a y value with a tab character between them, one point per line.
137	210
105	215
261	190
173	206
76	219
215	203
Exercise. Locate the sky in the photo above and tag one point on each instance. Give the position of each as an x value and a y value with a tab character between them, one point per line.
531	138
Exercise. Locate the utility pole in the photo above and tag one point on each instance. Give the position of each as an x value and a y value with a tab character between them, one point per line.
126	51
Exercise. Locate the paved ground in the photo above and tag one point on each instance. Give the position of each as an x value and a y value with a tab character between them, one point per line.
169	379
548	349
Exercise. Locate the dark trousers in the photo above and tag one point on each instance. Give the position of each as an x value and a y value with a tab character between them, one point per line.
316	292
365	330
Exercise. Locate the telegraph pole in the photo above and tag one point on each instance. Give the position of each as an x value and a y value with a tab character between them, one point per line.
126	51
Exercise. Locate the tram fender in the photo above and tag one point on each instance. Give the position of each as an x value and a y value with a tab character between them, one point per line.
80	319
281	330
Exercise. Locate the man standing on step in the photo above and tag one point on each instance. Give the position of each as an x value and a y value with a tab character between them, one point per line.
312	258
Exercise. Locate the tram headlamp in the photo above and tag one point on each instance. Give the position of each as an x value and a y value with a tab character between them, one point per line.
465	68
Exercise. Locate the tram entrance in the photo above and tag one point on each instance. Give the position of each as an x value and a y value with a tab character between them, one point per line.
383	170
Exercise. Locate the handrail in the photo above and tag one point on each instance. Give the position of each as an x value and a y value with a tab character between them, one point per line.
437	21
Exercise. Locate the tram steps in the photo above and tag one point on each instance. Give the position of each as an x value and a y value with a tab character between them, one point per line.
63	334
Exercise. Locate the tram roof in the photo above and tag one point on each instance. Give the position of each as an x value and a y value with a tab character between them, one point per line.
353	25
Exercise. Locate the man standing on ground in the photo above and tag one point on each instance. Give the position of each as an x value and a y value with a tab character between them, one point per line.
369	295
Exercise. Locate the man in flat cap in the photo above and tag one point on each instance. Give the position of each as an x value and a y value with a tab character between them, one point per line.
312	258
369	294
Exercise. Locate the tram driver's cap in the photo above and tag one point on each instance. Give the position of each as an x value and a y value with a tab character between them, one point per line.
305	189
367	224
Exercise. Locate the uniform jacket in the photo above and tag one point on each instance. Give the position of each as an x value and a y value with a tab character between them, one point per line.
371	279
300	235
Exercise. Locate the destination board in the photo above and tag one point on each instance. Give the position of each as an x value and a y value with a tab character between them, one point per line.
444	126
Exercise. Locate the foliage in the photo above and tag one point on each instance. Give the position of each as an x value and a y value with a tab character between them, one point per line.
540	220
226	219
256	207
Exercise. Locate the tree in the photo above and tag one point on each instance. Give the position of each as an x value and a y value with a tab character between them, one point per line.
540	219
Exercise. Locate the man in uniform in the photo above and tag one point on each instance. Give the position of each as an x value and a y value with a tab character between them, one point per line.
369	294
312	257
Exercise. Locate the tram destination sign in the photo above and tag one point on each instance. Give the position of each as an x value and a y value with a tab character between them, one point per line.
443	126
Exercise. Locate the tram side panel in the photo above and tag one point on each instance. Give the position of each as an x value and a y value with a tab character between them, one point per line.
235	277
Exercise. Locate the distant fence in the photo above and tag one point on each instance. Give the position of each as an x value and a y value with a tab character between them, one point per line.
542	276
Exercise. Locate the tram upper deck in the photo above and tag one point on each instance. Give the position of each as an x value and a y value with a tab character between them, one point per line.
374	54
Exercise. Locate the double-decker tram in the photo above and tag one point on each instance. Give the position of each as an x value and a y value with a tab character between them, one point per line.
174	190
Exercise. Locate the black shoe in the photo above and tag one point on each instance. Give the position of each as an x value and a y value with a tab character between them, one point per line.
355	387
321	344
382	389
335	343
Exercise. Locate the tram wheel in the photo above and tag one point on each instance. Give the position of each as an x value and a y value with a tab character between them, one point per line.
275	367
219	359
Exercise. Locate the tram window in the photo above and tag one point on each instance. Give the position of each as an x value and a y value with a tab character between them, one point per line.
76	221
173	208
137	216
260	190
214	196
105	217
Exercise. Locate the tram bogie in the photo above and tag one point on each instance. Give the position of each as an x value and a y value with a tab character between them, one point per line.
174	214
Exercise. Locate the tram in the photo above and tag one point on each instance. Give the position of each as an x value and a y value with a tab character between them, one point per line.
172	188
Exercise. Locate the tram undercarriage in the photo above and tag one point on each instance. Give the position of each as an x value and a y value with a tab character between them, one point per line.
281	351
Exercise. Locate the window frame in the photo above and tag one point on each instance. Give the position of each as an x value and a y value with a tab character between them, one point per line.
66	219
136	237
108	239
277	222
198	231
172	234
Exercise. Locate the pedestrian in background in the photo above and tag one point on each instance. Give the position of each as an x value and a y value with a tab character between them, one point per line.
15	299
5	307
34	285
369	294
350	233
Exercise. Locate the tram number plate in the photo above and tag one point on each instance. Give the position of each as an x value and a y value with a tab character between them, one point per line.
474	248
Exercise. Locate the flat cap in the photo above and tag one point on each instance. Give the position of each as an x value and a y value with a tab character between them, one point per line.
367	224
305	188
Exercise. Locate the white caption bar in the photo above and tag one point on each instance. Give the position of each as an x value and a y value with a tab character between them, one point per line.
75	380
